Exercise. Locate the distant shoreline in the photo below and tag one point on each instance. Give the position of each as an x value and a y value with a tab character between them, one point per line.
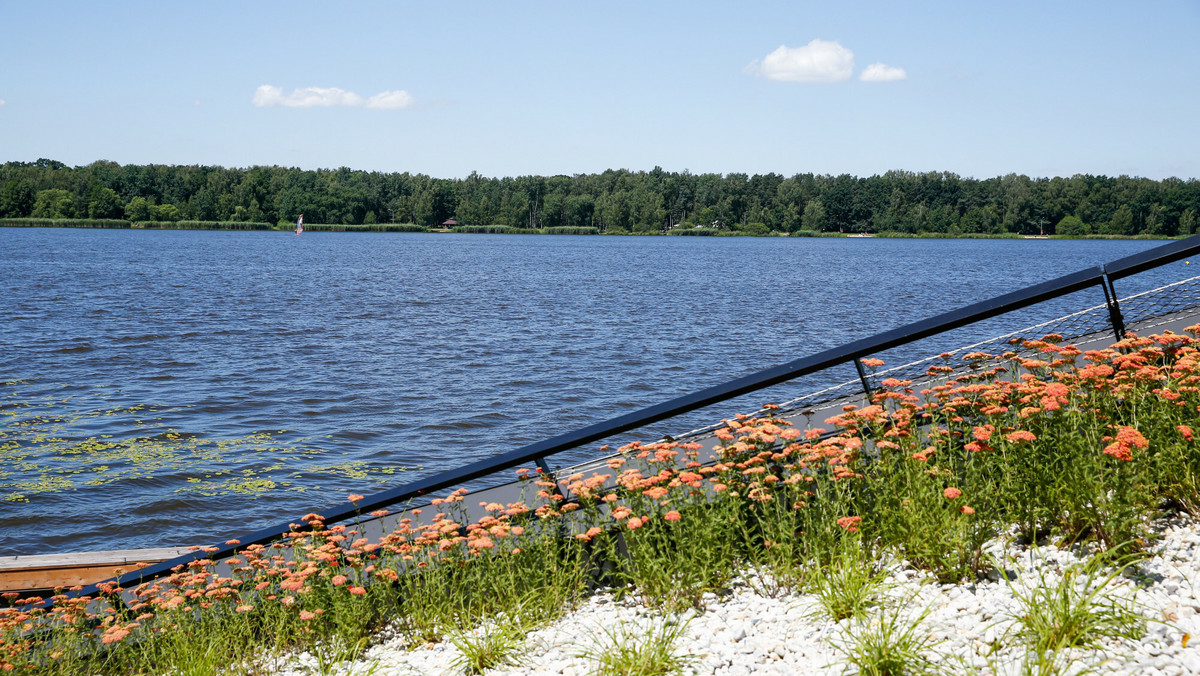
505	230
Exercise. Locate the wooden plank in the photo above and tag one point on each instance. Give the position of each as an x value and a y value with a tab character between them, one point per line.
48	571
101	558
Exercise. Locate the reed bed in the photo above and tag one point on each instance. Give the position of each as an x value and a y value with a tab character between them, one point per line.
202	225
64	223
495	230
509	230
570	230
1040	443
815	233
365	227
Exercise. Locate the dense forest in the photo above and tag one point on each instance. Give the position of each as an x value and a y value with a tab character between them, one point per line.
615	201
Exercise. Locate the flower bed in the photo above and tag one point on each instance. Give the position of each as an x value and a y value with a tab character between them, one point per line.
1043	444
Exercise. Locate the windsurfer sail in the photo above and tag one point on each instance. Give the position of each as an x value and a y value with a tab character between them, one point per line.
300	224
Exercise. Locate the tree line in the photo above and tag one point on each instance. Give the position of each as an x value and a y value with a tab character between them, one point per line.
614	201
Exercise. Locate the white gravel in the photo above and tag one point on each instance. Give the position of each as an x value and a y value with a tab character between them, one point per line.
970	625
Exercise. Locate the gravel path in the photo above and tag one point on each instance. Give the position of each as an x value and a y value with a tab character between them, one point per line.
970	626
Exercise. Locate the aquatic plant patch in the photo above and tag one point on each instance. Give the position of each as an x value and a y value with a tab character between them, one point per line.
46	448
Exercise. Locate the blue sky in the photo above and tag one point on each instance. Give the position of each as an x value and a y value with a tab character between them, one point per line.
513	88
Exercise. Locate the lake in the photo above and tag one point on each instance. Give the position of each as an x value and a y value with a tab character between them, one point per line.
183	387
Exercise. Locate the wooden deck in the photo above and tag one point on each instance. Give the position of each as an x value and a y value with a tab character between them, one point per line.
45	572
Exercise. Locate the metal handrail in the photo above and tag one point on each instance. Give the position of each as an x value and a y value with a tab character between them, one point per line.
850	352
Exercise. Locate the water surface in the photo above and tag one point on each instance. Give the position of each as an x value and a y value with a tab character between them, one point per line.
178	387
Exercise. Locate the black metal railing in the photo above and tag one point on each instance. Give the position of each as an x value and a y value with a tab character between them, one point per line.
1103	276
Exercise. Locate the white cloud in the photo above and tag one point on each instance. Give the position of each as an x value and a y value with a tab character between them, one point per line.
878	72
3	103
818	61
392	100
269	95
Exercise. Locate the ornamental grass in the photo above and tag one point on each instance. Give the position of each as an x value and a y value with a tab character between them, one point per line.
1041	443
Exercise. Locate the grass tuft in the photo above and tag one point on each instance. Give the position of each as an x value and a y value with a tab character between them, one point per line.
890	644
1076	611
848	587
487	648
631	651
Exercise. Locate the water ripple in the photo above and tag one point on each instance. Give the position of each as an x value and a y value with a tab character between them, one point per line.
217	382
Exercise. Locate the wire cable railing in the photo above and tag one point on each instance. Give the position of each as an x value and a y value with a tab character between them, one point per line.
1107	316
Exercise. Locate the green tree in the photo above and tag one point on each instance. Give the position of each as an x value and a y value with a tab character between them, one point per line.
579	210
16	199
551	213
985	220
1071	226
1156	222
138	209
792	218
105	203
166	212
399	209
1121	223
942	219
814	216
423	209
54	203
1187	222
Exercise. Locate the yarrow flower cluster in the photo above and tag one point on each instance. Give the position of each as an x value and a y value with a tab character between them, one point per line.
981	411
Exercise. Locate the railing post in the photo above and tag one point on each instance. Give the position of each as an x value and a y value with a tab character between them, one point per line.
1114	309
862	376
540	461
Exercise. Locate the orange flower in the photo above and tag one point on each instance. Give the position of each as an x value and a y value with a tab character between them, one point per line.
1120	451
482	542
850	523
1130	436
672	516
952	493
1057	390
354	497
923	456
357	591
1017	436
634	523
591	533
305	615
656	493
871	362
1185	431
338	580
966	510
